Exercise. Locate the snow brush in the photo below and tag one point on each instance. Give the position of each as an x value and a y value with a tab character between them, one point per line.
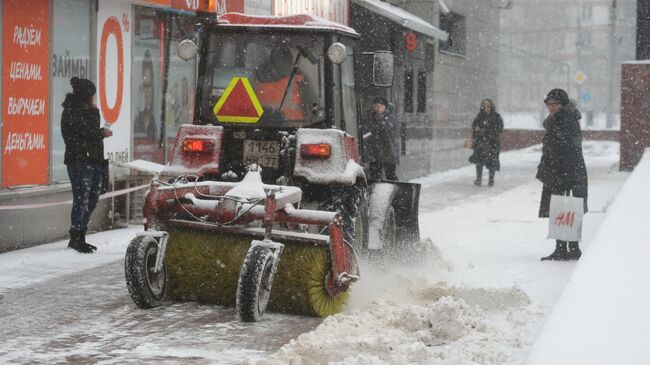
205	267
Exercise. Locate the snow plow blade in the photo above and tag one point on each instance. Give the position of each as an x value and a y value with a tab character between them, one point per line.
394	228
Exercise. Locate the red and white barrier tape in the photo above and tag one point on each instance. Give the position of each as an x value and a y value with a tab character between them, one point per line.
107	195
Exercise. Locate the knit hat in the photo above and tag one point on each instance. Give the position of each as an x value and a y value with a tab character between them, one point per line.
82	88
558	95
380	100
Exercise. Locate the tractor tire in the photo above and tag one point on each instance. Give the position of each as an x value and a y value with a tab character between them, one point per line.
255	281
146	287
352	204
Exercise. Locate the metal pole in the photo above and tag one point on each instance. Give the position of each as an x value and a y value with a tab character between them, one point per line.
611	65
568	77
578	54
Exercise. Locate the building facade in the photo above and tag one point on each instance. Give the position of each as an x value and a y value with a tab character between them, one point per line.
577	45
445	63
441	75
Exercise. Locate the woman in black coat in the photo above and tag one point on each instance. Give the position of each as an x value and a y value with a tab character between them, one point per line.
485	134
84	156
562	168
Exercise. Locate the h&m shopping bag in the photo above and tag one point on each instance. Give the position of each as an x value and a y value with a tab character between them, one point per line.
469	140
565	218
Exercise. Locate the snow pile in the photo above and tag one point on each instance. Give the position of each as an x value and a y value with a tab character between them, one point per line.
442	328
403	314
602	314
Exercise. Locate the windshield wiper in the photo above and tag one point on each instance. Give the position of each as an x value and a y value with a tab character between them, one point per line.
293	73
301	52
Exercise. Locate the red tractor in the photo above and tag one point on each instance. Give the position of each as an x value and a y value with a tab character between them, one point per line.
268	186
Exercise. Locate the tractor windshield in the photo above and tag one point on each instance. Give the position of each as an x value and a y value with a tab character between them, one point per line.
264	79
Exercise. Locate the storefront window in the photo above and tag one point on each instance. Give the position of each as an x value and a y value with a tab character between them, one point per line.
146	87
156	36
70	56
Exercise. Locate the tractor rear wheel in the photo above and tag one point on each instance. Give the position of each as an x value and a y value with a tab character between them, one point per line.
352	204
255	280
147	288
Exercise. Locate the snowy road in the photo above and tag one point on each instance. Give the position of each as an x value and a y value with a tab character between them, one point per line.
482	300
87	317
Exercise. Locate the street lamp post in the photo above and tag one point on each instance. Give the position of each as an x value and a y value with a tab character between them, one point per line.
611	65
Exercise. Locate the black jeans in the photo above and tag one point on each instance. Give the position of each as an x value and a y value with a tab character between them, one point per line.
375	171
86	180
479	173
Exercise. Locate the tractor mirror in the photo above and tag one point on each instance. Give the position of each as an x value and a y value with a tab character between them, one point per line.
382	68
337	53
187	49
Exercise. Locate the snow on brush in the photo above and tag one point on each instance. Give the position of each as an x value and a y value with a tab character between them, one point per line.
412	319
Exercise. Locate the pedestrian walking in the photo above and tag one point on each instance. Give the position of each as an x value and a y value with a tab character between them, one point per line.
562	168
381	141
486	128
84	156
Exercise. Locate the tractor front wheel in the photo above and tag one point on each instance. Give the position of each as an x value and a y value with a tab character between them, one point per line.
255	280
147	287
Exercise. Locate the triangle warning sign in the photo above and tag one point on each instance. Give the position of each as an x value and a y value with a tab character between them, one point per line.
238	104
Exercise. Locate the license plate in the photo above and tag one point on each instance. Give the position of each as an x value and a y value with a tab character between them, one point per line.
263	153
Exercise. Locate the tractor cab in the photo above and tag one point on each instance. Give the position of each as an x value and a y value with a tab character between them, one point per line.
263	78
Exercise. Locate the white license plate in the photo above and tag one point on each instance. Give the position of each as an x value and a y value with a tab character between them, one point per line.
263	153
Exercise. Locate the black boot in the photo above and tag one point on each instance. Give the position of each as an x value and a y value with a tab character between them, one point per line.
479	175
83	241
76	243
560	253
491	181
574	251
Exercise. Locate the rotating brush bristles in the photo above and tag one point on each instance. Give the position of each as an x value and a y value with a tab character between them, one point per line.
204	266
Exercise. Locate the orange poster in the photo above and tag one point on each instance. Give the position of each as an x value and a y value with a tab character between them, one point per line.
25	76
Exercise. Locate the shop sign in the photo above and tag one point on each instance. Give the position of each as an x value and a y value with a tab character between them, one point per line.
25	77
333	10
411	41
113	76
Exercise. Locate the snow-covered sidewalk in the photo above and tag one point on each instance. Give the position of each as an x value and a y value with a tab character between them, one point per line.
37	264
483	295
602	315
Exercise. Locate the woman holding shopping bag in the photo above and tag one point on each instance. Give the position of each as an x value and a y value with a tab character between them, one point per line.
562	167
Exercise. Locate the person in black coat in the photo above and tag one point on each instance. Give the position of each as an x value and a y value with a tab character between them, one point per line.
381	141
562	167
84	156
486	128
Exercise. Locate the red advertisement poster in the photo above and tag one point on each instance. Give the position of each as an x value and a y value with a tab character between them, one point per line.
25	75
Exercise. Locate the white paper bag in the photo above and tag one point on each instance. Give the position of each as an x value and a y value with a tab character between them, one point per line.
565	218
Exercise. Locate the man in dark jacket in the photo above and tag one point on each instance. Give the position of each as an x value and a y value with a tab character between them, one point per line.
381	141
562	167
84	155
